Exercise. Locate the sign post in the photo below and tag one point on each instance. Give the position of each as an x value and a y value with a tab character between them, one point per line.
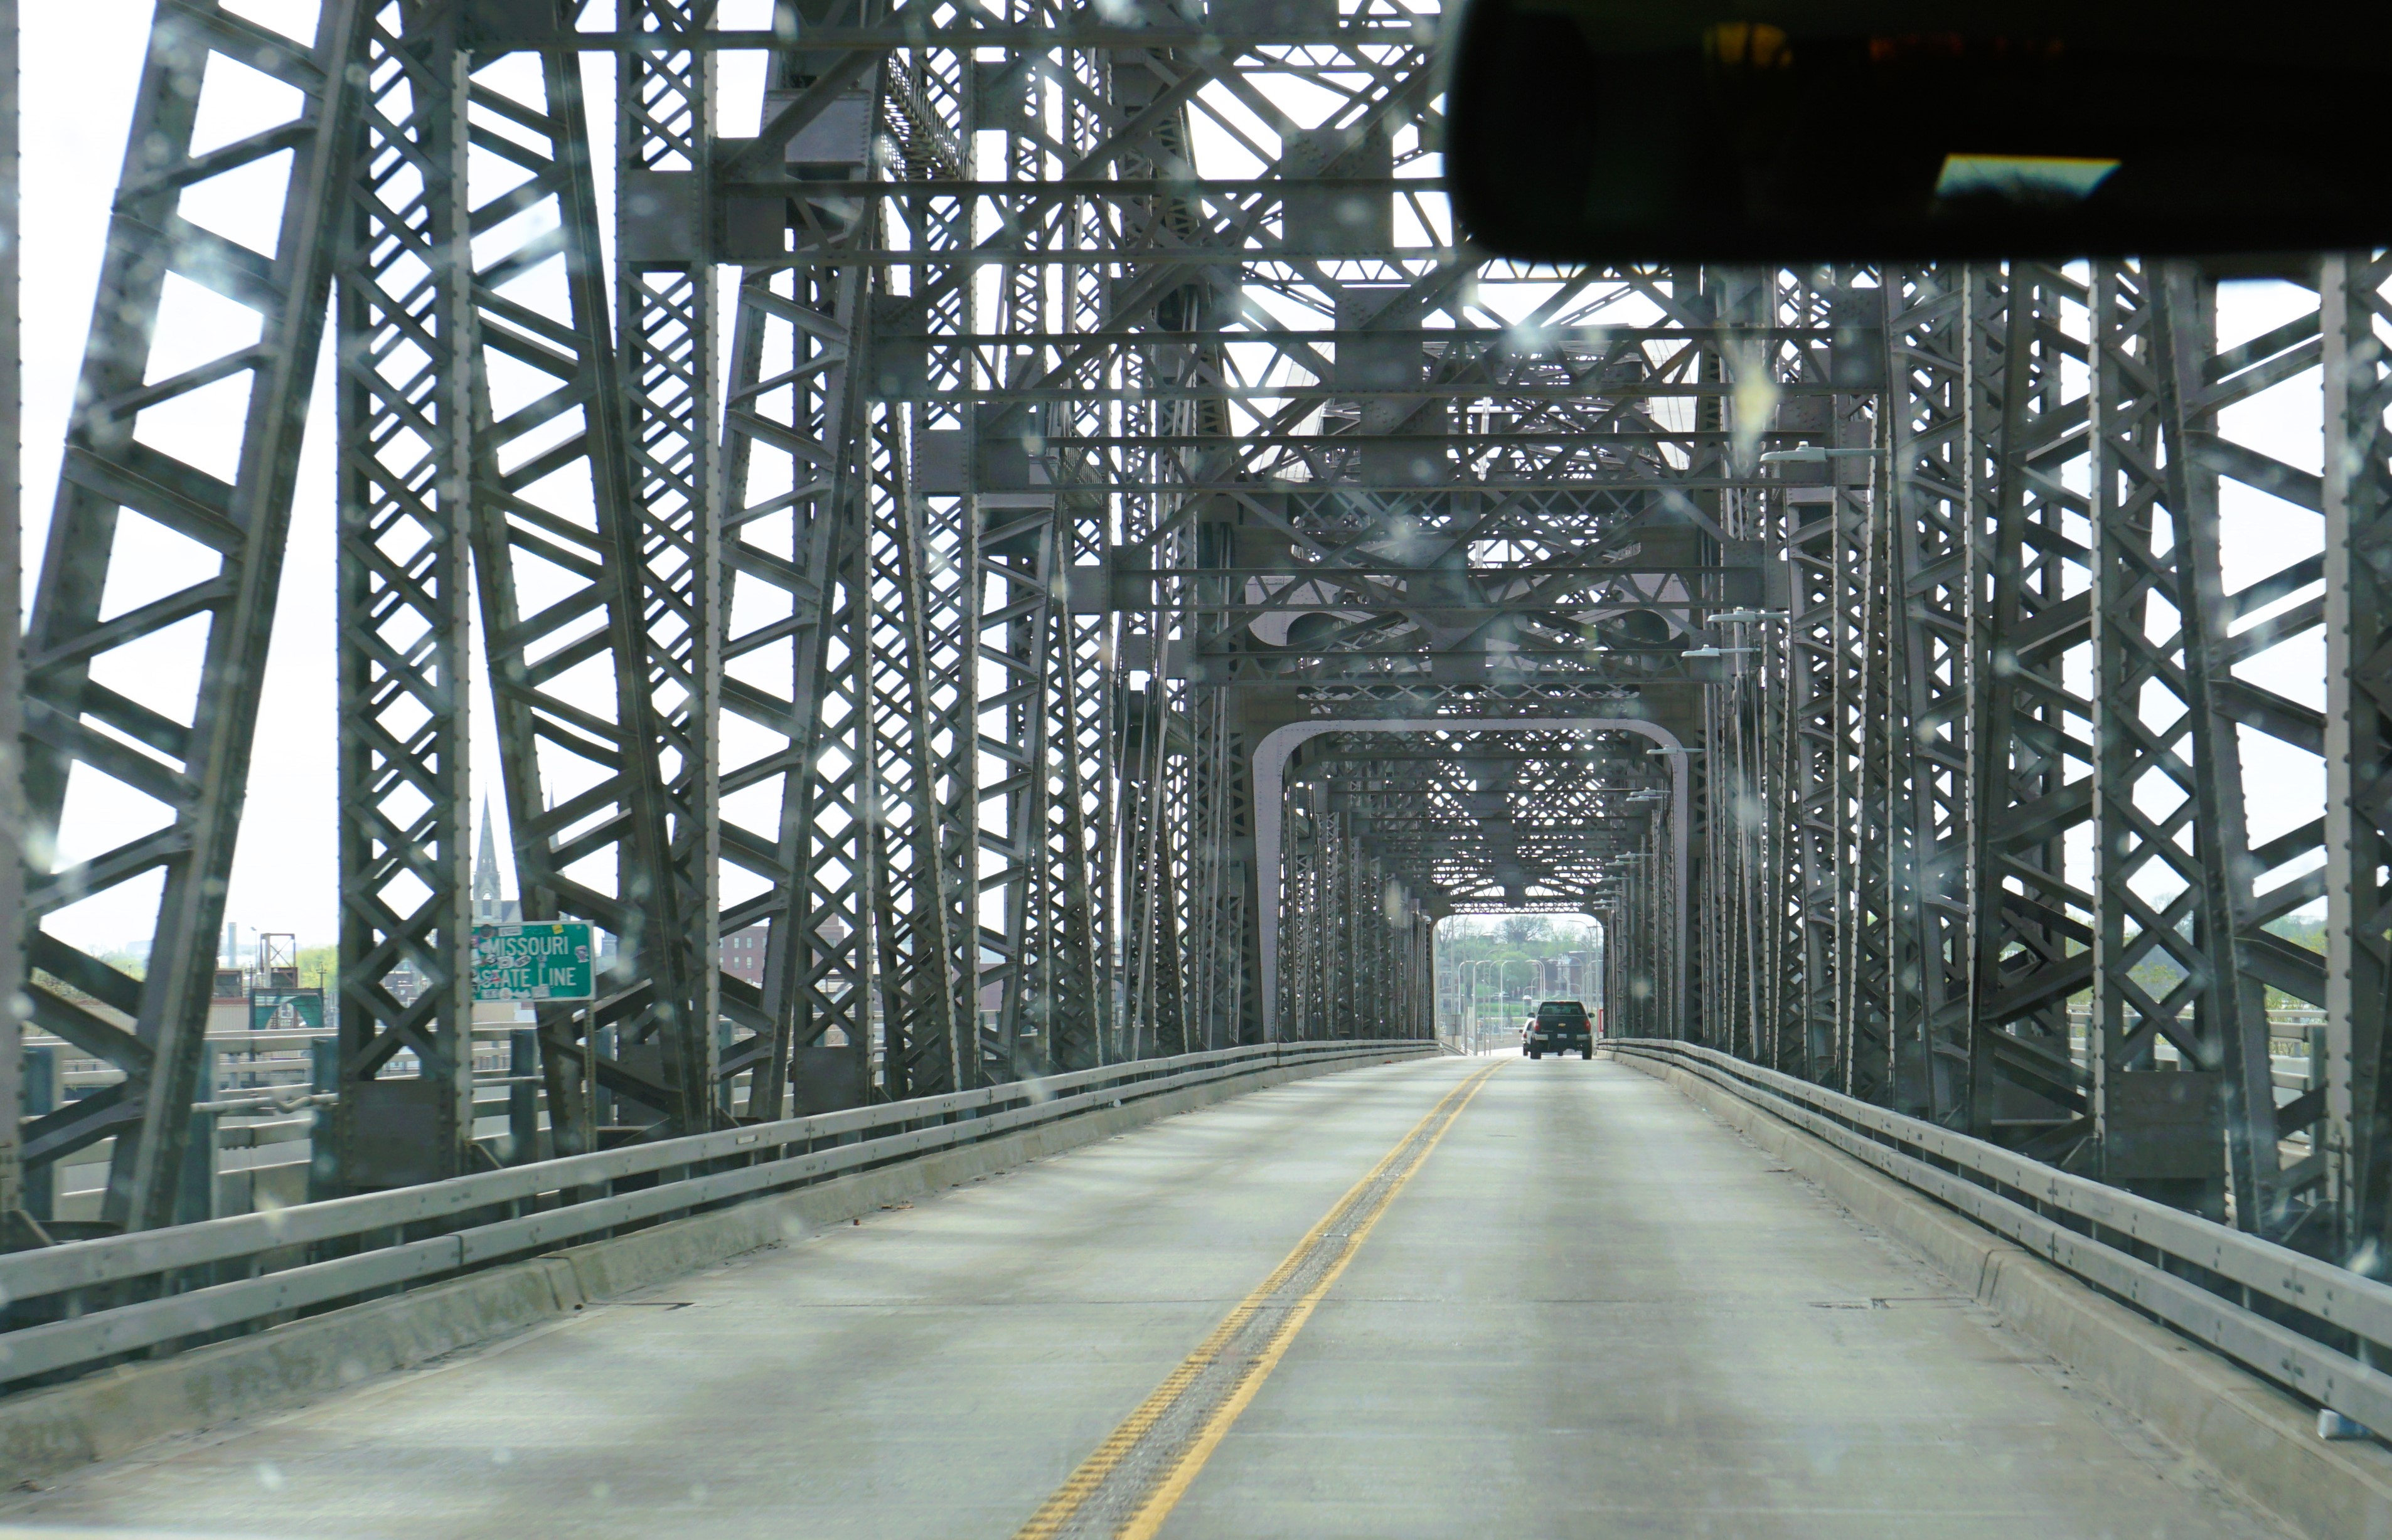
553	960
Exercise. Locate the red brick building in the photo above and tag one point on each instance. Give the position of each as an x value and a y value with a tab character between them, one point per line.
743	954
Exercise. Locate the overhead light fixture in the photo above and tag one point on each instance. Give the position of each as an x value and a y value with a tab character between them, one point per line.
1714	652
1670	748
1746	617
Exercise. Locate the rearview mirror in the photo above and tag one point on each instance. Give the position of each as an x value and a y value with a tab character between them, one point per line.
1665	130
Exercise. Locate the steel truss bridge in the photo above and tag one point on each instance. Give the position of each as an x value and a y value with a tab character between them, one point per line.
1055	529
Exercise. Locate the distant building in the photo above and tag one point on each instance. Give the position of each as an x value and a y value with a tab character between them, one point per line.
743	954
743	950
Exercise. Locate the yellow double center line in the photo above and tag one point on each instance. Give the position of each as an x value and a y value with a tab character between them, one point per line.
1139	1472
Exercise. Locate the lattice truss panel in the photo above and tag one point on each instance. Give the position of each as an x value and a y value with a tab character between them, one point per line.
901	528
1491	820
2014	800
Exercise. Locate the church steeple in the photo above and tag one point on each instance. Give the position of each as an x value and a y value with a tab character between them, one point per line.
491	907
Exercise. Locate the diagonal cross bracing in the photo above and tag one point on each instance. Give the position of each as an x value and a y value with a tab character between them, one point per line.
894	551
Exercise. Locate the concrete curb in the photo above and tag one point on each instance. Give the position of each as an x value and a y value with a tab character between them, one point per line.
2258	1439
110	1413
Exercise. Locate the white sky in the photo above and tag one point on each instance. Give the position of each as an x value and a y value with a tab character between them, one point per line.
81	68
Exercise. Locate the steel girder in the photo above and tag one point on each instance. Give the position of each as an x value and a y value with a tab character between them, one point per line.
2031	953
794	340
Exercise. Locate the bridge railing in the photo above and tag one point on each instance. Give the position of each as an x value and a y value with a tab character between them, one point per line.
76	1306
2315	1329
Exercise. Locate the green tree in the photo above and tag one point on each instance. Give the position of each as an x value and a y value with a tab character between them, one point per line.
131	965
1524	930
319	968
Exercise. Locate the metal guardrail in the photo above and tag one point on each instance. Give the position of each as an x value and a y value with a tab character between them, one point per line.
2315	1329
79	1305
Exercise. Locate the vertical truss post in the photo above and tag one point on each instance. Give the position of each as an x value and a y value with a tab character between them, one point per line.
2031	929
796	788
404	617
1670	894
80	709
1298	852
1859	797
1813	757
1692	972
666	337
926	847
2223	908
1370	944
2172	861
1651	981
1018	559
1149	951
1017	514
1778	946
2354	1127
1380	984
795	393
1317	917
924	679
1929	317
12	678
1213	890
1352	990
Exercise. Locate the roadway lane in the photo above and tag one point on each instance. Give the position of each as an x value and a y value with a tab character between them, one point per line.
1598	1312
1592	1310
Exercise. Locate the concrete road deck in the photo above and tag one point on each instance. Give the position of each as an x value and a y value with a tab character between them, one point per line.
1595	1311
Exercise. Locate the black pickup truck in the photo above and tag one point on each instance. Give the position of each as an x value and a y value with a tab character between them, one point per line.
1560	1027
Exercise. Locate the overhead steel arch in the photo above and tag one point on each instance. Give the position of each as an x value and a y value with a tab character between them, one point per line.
1271	756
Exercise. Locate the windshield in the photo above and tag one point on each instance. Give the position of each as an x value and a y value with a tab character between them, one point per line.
930	735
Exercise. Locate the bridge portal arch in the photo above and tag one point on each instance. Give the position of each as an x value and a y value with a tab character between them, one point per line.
1278	746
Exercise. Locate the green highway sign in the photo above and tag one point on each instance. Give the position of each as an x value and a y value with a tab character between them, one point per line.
552	961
